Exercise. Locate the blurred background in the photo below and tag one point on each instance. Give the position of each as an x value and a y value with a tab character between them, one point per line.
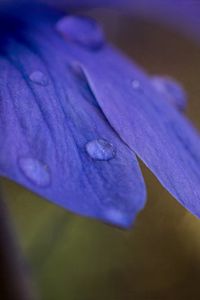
74	258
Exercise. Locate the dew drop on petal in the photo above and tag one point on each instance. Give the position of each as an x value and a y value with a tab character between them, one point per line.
100	149
118	218
39	78
82	31
35	171
172	90
136	84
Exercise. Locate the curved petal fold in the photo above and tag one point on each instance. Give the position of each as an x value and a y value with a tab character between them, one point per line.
152	127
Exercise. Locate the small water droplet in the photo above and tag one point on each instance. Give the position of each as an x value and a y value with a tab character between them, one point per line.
136	84
118	218
172	90
35	171
39	78
81	30
100	149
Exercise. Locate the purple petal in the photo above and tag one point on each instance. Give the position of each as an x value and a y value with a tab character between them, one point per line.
54	138
152	127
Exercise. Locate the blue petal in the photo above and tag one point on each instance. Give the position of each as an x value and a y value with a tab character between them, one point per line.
150	125
55	140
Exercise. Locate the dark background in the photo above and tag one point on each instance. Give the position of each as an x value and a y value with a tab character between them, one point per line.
159	259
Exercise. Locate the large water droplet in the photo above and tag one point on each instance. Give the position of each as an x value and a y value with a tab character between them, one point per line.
81	30
39	78
100	149
171	90
35	171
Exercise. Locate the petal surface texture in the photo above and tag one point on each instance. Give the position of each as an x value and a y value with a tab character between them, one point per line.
55	140
144	118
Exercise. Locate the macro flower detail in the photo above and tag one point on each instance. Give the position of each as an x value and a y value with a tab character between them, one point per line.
55	139
82	31
39	78
150	125
100	150
171	90
74	113
35	171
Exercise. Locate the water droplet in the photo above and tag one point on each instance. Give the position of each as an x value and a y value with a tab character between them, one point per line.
118	218
136	84
172	91
100	149
81	30
35	171
39	78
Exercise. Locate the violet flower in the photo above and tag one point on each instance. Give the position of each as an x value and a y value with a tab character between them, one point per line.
74	113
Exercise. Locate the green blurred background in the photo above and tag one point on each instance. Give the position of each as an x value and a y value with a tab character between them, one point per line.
80	259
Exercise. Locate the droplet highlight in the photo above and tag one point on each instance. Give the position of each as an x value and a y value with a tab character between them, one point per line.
35	171
118	218
100	149
81	30
39	78
136	84
171	90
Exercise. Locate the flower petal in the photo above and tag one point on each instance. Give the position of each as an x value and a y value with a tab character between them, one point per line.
158	133
54	138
